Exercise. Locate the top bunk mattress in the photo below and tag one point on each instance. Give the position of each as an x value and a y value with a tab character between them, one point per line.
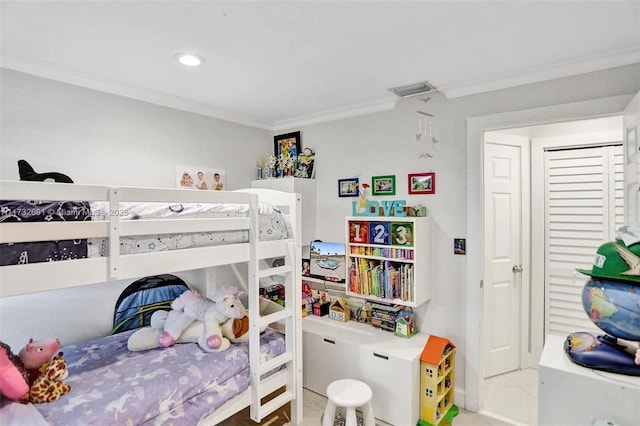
273	225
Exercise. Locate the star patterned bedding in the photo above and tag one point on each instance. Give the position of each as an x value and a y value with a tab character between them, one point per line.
273	225
181	384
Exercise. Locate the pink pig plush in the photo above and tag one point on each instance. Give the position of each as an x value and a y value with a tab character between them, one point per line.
36	356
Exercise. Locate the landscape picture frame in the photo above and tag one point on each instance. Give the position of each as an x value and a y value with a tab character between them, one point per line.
422	183
383	185
348	187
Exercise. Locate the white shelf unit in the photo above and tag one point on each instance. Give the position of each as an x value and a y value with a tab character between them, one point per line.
388	259
307	190
390	365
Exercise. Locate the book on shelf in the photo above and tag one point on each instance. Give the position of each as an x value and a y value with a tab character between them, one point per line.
383	279
386	307
384	315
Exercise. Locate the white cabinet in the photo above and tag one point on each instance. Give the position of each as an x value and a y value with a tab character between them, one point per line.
392	369
571	394
390	365
307	189
321	350
388	259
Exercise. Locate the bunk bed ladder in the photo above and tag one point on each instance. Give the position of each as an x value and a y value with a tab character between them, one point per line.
259	382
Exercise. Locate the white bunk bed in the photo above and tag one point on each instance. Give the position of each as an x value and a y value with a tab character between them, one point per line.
21	279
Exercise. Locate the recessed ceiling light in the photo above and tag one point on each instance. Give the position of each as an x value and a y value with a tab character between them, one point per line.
189	59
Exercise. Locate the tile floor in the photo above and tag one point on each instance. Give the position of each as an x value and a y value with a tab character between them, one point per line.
509	399
512	396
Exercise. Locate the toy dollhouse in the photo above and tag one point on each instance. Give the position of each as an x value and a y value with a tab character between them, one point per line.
437	365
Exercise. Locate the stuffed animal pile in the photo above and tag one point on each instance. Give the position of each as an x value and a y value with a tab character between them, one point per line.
212	323
34	364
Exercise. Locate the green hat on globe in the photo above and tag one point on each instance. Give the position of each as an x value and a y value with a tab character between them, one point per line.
615	261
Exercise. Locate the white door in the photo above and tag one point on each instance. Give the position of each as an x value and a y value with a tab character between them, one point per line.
583	209
503	262
631	119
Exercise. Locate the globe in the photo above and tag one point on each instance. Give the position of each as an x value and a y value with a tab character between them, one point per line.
613	306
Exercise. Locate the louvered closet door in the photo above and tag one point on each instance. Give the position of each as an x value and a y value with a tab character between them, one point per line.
584	206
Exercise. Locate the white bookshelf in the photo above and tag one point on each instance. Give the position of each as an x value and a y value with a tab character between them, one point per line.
388	259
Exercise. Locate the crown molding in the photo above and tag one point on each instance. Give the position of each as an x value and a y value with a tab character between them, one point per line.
613	59
90	81
621	57
337	114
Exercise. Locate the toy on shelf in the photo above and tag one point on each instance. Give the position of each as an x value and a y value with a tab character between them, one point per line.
361	310
405	323
321	309
437	366
274	292
339	309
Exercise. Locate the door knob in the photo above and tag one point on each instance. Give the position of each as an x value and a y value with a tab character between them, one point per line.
516	269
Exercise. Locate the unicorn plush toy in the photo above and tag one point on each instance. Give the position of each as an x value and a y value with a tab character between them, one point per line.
190	307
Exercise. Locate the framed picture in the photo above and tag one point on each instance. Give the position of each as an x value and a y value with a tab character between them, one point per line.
383	185
348	187
287	146
195	177
422	183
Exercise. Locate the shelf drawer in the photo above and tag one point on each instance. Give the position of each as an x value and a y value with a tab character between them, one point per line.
395	383
325	359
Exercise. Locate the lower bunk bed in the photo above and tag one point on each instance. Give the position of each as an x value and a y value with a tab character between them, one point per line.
181	384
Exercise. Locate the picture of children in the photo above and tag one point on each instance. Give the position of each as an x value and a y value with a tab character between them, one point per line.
186	180
202	184
218	183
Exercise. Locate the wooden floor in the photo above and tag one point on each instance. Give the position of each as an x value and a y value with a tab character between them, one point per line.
280	417
314	407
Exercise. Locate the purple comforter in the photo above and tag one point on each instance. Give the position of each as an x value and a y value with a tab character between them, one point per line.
177	385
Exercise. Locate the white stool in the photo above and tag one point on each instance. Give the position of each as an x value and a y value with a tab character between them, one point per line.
349	394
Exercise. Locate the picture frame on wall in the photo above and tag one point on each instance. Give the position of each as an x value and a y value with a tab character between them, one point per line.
383	185
348	187
422	183
287	145
203	178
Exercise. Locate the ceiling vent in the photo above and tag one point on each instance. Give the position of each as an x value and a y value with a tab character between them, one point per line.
413	89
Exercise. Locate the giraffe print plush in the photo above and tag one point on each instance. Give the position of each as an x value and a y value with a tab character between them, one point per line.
49	386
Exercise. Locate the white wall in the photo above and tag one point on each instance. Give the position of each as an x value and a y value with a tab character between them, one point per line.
376	144
98	138
384	144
